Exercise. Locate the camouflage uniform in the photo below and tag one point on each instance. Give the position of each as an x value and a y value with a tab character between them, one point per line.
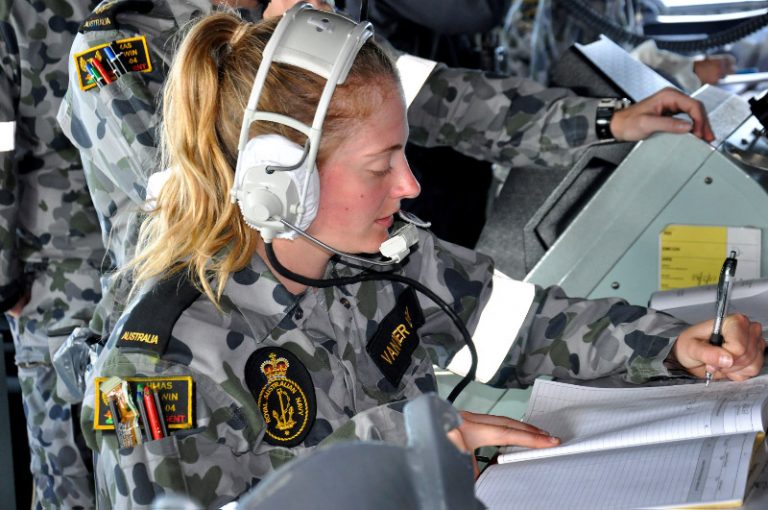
49	236
510	120
332	333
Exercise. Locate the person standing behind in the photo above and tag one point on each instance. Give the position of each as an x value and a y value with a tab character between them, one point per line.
50	251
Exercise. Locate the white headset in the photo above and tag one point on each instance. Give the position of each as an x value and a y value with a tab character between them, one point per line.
271	189
276	184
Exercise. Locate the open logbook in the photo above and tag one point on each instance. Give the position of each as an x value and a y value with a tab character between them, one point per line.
683	446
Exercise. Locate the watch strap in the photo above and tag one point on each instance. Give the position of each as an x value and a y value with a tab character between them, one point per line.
604	114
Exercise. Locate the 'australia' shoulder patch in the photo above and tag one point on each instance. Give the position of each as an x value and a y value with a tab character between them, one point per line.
396	338
151	321
103	16
285	395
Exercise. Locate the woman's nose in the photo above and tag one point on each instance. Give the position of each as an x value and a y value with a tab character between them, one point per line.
408	186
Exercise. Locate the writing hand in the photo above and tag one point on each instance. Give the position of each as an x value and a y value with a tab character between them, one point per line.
740	357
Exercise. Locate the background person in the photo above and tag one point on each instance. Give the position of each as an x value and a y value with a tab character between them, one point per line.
50	251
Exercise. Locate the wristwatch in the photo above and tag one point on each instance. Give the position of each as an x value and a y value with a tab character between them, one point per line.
605	110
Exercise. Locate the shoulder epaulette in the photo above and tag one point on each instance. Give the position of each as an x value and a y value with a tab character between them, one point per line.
103	16
151	321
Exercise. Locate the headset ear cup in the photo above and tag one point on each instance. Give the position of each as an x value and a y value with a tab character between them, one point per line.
265	196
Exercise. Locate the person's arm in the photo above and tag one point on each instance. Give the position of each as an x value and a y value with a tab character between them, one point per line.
517	122
577	338
11	284
522	331
509	120
689	72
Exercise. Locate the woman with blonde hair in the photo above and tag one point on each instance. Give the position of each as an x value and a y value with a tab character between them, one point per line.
262	346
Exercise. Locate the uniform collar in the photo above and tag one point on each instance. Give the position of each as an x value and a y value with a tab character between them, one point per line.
265	304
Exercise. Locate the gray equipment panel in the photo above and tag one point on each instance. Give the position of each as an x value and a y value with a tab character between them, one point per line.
612	247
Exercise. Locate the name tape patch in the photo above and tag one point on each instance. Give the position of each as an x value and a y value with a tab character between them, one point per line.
396	338
132	54
175	395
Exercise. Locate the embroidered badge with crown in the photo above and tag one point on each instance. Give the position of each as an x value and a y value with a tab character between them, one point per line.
285	395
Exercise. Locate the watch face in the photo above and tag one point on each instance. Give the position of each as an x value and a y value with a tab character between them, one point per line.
603	116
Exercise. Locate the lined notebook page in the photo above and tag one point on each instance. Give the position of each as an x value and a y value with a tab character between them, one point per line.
708	471
593	419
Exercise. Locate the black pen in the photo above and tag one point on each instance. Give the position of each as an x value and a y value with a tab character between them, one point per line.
143	411
727	274
160	413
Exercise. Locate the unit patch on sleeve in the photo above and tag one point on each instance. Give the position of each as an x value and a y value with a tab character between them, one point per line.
175	394
396	338
128	55
285	395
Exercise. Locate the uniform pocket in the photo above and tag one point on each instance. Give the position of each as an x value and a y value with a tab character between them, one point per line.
192	464
130	123
140	471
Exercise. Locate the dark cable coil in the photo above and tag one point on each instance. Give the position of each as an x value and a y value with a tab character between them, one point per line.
584	13
334	282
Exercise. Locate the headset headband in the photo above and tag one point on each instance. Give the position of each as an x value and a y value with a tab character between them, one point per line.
321	42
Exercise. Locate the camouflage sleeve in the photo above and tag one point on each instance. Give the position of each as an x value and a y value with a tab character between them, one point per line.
113	128
577	338
10	269
508	120
554	335
461	278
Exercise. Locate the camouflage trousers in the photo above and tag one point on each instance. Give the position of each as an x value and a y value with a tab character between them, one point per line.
60	462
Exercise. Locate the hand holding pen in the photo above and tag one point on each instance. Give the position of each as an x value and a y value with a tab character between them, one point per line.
731	347
727	275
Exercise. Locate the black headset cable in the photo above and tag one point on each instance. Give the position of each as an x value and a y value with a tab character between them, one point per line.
375	275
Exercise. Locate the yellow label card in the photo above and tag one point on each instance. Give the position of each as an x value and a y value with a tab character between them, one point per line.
692	255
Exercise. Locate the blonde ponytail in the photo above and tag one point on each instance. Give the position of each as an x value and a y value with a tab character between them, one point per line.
195	227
